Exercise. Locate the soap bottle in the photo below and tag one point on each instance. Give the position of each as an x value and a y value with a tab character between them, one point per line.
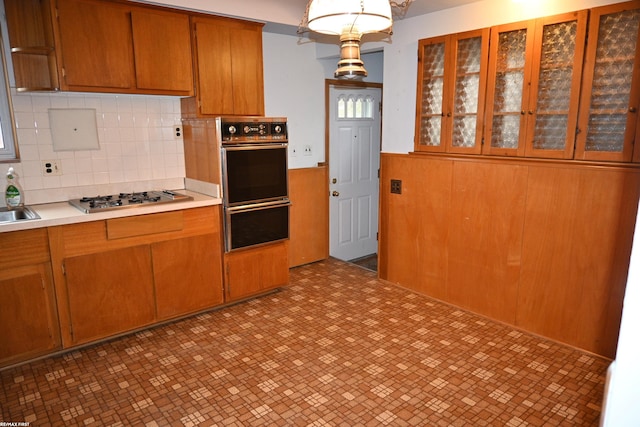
12	194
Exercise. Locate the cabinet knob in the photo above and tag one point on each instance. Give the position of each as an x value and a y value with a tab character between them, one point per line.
633	110
530	113
523	112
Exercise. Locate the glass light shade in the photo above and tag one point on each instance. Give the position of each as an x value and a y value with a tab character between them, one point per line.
350	16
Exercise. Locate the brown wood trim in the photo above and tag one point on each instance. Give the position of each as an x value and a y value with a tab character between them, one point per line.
562	163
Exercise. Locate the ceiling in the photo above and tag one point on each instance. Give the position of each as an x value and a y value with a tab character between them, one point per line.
284	16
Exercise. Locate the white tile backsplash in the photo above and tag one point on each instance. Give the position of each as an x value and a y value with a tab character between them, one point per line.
138	149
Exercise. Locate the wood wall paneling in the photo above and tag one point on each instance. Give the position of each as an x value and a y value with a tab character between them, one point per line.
309	215
414	224
576	248
542	246
486	219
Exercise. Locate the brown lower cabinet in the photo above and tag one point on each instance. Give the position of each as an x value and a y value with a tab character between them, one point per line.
123	274
256	270
28	316
541	245
75	284
109	292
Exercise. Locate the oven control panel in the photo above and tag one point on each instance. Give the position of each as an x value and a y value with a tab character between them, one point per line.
257	130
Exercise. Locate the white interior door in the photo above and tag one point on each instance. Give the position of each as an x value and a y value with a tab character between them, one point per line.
354	160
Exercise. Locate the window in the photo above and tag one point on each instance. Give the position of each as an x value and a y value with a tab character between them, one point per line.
355	107
8	149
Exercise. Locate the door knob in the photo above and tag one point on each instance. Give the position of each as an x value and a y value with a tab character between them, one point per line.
335	193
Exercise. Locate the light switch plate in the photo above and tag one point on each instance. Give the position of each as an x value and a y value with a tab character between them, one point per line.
73	129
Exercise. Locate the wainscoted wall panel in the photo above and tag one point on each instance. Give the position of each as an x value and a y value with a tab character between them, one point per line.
540	245
309	220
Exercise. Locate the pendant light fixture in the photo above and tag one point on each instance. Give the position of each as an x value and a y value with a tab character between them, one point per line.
350	20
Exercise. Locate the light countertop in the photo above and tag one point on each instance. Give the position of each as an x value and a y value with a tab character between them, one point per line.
62	213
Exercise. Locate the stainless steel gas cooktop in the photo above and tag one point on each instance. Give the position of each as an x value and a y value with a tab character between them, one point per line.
127	200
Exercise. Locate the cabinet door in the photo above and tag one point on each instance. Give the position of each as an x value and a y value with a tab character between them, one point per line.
609	118
187	274
229	67
95	45
27	315
162	47
213	50
534	83
552	112
109	292
470	52
430	122
507	97
248	81
256	270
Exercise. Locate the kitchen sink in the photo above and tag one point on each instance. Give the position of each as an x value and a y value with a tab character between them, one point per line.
23	213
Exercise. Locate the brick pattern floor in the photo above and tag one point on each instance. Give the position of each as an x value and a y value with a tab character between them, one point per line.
338	347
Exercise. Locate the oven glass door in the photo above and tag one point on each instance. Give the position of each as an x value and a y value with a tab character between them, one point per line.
254	173
256	225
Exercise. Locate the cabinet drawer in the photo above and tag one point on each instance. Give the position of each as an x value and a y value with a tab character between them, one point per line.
120	228
26	247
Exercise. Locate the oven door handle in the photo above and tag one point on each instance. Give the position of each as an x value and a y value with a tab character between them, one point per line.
258	206
254	146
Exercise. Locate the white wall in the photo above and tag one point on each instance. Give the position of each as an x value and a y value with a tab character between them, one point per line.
294	83
622	407
294	88
401	57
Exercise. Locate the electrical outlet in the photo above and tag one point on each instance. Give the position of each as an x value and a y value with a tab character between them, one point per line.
177	131
51	167
293	151
307	150
396	186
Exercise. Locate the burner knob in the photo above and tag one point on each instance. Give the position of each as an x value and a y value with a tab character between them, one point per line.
278	129
232	130
247	129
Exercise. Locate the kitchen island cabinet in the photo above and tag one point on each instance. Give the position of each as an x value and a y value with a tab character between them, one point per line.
121	274
28	317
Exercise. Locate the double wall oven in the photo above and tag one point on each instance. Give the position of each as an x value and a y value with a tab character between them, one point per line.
255	184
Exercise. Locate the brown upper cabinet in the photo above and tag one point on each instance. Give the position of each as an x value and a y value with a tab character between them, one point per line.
100	46
550	93
534	86
228	64
609	119
452	74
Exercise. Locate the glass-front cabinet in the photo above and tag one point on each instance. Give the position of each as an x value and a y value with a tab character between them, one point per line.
452	78
539	88
534	85
608	122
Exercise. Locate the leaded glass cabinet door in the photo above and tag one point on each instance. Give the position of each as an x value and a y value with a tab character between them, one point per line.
430	123
552	113
465	111
608	121
451	91
507	95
